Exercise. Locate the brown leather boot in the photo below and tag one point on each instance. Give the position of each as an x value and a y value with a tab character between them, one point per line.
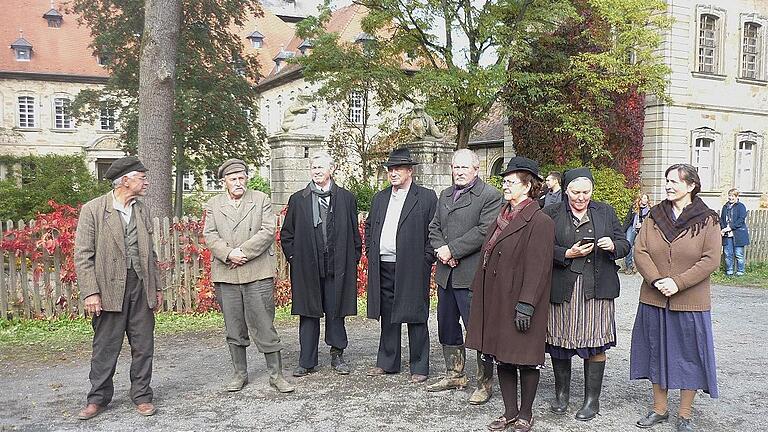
90	411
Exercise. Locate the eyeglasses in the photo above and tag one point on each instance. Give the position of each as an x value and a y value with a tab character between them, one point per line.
506	183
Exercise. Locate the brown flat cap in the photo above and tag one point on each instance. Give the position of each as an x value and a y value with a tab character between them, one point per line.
231	166
123	166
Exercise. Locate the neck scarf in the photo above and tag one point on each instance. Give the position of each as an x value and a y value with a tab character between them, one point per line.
507	215
694	217
459	191
316	195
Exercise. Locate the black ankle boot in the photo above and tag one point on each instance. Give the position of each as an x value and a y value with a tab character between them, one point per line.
593	384
562	372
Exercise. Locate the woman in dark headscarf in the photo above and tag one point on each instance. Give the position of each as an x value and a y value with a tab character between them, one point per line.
672	344
512	283
588	240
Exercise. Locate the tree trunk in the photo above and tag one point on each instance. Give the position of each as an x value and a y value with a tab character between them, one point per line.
181	169
463	129
157	73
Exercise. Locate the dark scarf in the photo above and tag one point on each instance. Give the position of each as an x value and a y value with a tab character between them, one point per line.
316	195
507	215
694	217
459	191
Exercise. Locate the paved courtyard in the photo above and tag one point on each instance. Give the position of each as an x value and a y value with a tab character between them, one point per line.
190	369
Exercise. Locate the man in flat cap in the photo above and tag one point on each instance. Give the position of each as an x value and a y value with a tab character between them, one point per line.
118	277
240	232
321	240
400	260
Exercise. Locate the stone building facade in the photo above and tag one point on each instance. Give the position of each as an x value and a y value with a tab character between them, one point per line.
718	117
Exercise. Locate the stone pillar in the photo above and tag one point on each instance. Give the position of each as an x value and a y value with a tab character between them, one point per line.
290	164
434	169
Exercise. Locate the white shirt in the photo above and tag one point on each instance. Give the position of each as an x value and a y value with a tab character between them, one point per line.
388	240
125	211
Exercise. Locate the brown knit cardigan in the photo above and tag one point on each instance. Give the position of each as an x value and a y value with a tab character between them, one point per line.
688	260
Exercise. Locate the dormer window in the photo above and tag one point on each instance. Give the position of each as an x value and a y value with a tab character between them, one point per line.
23	49
256	38
366	41
54	18
306	46
281	58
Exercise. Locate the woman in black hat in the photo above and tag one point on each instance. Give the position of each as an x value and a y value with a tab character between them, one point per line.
512	279
588	240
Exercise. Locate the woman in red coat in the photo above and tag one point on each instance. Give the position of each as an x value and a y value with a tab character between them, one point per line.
508	315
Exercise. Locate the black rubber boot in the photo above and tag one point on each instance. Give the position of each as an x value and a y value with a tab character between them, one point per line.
593	384
562	372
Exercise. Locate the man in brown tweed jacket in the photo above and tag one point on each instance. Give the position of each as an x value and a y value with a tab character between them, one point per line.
118	277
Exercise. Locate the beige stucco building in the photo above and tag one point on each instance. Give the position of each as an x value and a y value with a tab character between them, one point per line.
718	117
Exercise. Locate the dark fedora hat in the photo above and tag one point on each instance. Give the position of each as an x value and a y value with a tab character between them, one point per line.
519	163
124	166
400	156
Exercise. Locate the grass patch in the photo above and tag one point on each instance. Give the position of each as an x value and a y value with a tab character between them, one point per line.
756	276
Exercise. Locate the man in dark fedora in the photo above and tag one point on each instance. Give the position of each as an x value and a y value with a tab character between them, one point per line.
118	278
240	232
400	260
321	240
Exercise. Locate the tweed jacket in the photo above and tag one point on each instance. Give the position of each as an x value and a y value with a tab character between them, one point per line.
100	253
463	225
689	261
251	227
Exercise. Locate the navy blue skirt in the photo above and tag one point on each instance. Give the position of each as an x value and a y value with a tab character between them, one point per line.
674	349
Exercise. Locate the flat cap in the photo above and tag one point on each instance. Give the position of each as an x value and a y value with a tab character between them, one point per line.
123	166
231	166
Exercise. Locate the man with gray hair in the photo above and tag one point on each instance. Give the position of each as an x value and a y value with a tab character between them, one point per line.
321	240
118	278
457	232
240	232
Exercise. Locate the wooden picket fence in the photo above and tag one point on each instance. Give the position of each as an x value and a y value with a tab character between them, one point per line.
36	290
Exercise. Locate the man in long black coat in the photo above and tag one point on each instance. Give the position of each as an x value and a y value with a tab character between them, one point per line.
321	240
400	260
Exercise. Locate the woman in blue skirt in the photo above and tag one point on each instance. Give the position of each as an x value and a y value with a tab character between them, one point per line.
676	251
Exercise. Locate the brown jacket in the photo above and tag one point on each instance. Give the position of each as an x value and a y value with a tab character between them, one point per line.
689	261
519	269
251	227
100	253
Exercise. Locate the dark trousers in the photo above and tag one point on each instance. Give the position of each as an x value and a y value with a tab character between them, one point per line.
249	308
452	305
388	357
136	320
309	328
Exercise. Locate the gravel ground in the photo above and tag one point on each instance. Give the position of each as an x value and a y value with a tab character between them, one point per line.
190	369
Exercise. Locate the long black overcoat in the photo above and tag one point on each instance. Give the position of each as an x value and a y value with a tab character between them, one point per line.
415	255
297	238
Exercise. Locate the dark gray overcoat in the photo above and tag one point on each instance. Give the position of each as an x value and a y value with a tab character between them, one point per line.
415	255
463	225
297	238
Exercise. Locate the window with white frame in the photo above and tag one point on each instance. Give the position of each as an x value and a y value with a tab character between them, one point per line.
107	116
62	115
746	158
751	55
709	43
356	107
211	183
26	108
188	181
704	155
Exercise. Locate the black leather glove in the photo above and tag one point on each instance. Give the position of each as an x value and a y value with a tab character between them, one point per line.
523	312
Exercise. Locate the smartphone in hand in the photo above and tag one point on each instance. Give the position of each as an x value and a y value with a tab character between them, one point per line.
586	241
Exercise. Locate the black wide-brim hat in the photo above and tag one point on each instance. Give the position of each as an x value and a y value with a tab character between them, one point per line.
520	163
124	166
400	156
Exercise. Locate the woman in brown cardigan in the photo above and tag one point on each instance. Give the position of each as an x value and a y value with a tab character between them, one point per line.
510	294
677	250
